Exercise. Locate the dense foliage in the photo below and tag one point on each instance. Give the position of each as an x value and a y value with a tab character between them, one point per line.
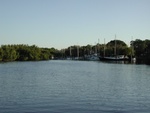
142	50
25	53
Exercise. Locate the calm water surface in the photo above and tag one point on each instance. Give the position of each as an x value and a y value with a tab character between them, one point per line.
74	87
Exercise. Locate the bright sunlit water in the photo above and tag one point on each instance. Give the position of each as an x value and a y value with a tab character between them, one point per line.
74	87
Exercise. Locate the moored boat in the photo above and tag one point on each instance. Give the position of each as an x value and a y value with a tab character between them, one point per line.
114	58
92	57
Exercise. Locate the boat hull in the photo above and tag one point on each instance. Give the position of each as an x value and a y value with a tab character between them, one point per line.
113	59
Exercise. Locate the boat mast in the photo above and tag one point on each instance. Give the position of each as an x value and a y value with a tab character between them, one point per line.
104	47
95	48
115	47
98	48
77	51
70	52
131	48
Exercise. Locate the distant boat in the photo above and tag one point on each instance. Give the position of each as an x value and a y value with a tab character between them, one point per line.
114	58
92	57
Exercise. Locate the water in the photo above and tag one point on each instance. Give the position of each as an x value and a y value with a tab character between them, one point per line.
74	87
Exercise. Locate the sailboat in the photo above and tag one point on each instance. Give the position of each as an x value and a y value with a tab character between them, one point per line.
115	57
93	56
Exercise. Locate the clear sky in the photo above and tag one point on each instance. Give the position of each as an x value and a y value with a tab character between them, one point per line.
62	23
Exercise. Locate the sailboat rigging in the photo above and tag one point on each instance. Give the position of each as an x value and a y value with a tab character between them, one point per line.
115	57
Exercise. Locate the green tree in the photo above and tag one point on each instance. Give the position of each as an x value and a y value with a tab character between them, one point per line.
116	45
45	54
1	54
142	50
25	53
147	51
9	53
139	47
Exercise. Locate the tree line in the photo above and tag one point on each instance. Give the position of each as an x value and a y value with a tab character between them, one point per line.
26	53
140	49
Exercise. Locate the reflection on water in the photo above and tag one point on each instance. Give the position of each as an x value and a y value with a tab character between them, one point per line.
121	62
74	86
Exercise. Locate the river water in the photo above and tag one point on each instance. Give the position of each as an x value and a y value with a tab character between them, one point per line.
74	87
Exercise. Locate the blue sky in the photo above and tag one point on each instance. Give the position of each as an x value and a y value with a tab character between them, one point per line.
61	23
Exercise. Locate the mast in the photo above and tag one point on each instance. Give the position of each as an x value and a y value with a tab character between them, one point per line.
70	52
77	51
104	47
98	48
115	47
95	48
131	48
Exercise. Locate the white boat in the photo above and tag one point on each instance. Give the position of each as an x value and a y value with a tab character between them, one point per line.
92	57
